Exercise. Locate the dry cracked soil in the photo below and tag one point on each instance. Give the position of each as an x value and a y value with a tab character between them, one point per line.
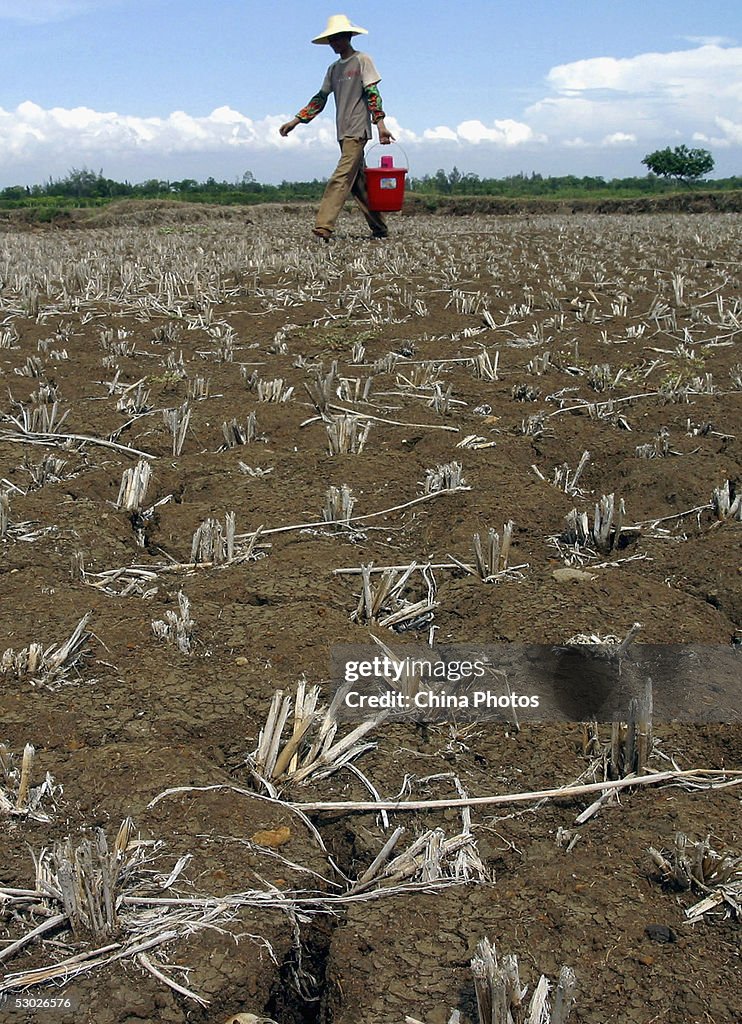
508	346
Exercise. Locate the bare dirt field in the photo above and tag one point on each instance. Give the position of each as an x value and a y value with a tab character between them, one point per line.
234	365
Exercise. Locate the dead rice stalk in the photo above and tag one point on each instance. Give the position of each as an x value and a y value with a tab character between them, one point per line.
534	425
86	879
429	858
23	531
42	418
254	471
273	391
566	481
491	561
33	367
357	570
383	603
632	742
8	337
359	519
445	477
178	627
235	435
18	798
421	375
48	471
51	666
657	449
385	364
136	404
345	435
339	504
539	364
123	582
441	400
606	533
476	442
501	999
88	889
311	750
199	388
393	423
694	865
213	545
726	501
37	437
134	484
177	421
353	389
322	390
482	366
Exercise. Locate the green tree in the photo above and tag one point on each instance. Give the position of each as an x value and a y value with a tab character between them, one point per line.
442	181
681	163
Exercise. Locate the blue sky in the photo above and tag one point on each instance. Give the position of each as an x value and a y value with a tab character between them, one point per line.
158	88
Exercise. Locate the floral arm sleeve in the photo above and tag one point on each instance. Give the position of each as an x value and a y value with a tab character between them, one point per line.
373	102
314	107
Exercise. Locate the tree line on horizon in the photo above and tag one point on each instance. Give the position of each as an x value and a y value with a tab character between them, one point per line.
668	169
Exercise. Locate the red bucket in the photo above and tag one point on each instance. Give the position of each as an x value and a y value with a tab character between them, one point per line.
385	186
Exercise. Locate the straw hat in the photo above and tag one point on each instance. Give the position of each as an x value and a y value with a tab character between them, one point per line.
339	23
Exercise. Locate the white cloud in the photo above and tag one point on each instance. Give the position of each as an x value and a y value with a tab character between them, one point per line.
732	133
679	73
655	97
502	133
440	134
83	133
625	106
710	40
619	139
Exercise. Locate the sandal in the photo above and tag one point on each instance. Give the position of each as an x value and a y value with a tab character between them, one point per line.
324	233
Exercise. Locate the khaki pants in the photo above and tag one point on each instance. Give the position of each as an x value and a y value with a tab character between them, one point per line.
348	179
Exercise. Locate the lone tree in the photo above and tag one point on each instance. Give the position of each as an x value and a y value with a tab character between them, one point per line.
681	163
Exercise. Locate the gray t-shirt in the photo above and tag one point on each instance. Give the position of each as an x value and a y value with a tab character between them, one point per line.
346	80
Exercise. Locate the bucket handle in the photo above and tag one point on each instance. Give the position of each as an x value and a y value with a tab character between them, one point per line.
377	145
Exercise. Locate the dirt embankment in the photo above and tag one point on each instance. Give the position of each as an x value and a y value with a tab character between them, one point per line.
675	202
154	212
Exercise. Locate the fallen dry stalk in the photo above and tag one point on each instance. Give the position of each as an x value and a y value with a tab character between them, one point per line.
393	423
360	519
697	778
52	439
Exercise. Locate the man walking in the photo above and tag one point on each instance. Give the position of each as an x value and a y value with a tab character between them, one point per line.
353	80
